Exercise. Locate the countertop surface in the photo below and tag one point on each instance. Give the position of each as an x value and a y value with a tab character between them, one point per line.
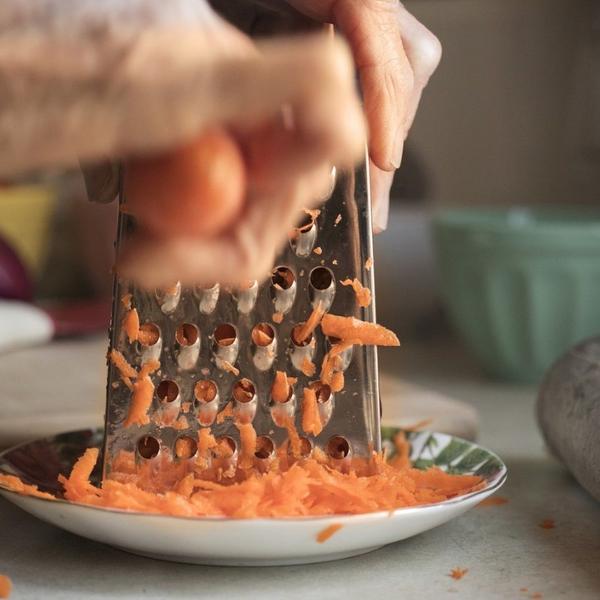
506	552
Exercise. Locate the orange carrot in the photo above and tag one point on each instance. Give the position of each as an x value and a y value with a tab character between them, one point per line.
493	501
402	458
303	332
5	586
226	413
361	332
311	420
368	263
125	369
318	250
131	325
280	390
13	483
227	366
363	294
458	573
547	524
248	443
327	532
277	317
126	300
308	367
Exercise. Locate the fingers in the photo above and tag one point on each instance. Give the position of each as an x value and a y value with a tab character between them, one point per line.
246	252
381	184
424	53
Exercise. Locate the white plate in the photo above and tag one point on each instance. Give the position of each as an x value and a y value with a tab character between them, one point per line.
251	542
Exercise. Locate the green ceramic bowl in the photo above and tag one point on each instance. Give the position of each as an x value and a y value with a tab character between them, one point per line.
520	285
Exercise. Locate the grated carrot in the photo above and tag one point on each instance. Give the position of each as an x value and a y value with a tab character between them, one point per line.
248	443
280	390
308	367
547	524
277	317
493	501
401	460
368	263
362	332
226	413
318	250
120	362
131	325
13	483
303	332
5	586
126	300
311	420
327	532
363	294
458	573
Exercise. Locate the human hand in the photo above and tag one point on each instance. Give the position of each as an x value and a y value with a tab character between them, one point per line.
395	55
123	79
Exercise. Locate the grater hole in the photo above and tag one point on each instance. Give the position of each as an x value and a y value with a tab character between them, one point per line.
321	278
264	447
225	448
305	342
306	224
187	334
282	278
263	334
148	447
149	334
167	391
225	334
305	447
205	391
244	390
185	447
322	391
338	447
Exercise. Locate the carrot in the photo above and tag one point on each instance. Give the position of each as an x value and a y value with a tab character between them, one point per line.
280	390
293	437
458	573
126	300
493	501
327	532
363	294
277	317
227	366
248	443
361	332
402	458
368	263
311	420
318	250
131	325
547	524
308	367
141	400
330	364
303	332
148	334
5	586
77	485
125	369
14	484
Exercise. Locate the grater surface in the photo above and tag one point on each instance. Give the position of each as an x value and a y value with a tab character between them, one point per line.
203	331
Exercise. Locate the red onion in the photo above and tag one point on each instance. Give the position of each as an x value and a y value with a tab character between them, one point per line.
15	282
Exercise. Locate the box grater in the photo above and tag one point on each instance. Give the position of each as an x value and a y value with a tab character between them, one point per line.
217	345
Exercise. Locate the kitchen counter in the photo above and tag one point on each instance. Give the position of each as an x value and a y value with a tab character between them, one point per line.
503	547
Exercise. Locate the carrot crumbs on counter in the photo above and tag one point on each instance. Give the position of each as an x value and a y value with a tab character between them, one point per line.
547	524
458	573
5	586
318	250
493	501
327	532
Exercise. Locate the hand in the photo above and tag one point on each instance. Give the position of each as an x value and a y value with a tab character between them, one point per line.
395	55
92	80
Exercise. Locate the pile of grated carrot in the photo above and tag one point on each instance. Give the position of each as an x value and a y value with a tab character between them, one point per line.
290	488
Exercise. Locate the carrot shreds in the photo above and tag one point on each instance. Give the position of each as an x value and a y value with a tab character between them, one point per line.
293	437
318	250
337	381
5	586
368	263
280	390
402	458
458	573
77	485
363	294
277	317
547	524
206	440
131	324
303	332
493	501
308	367
327	532
120	362
311	420
226	413
338	220
148	334
14	484
313	213
248	444
141	400
362	332
330	364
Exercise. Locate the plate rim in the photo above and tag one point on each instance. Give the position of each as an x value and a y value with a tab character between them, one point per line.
489	489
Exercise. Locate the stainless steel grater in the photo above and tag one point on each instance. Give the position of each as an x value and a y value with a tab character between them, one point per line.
203	337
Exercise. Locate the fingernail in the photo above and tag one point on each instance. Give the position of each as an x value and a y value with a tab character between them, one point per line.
381	210
398	149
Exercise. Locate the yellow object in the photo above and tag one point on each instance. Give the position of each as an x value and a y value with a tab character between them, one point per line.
25	219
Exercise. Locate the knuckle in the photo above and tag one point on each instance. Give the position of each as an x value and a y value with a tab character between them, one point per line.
428	54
